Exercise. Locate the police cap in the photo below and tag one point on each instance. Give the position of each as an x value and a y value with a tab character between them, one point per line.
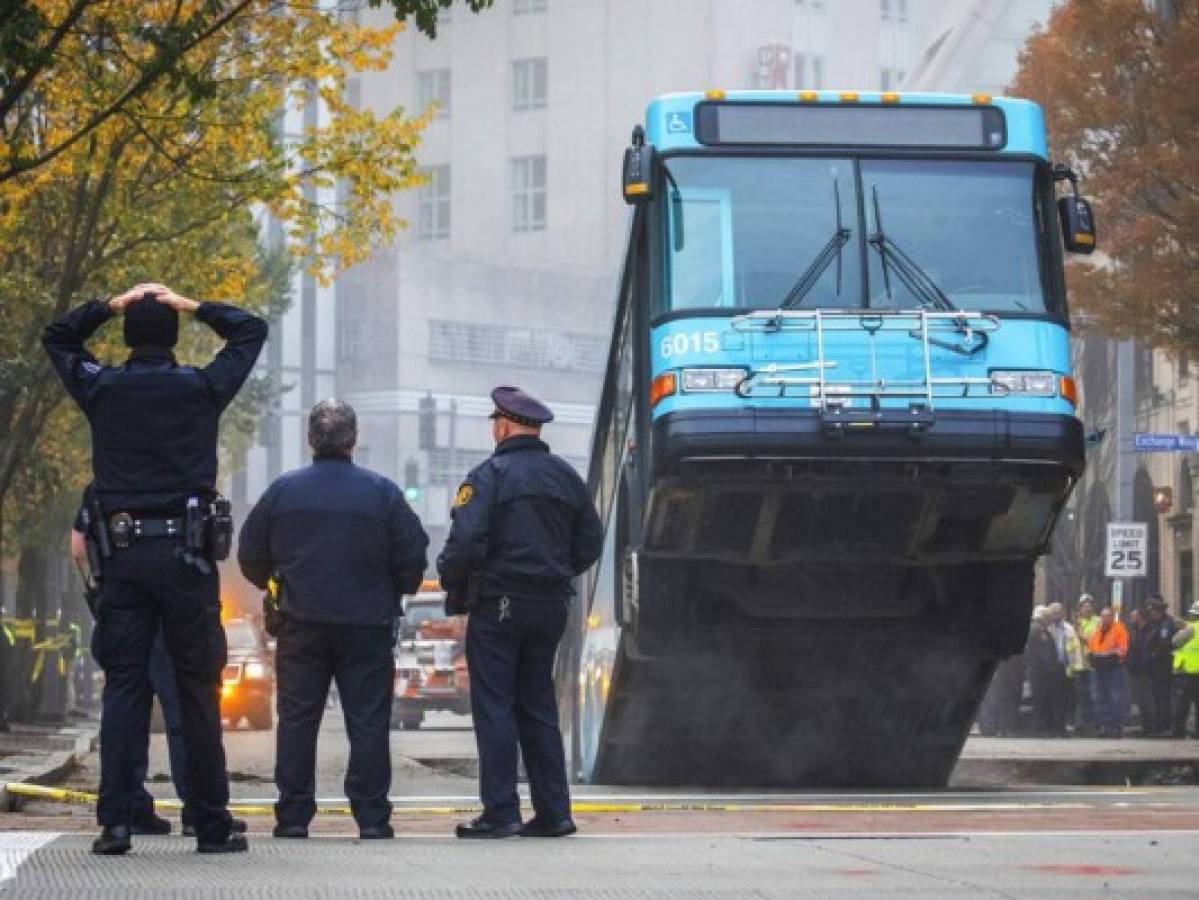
523	409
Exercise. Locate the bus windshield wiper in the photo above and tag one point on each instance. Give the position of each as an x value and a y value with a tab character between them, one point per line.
815	270
921	285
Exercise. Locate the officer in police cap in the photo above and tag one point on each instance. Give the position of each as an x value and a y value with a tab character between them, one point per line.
523	527
160	527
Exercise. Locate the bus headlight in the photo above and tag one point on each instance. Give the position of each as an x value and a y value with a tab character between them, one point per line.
1026	384
700	381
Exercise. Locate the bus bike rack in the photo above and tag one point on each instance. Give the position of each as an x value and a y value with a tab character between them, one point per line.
834	398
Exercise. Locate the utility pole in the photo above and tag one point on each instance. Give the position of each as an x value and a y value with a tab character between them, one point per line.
1125	461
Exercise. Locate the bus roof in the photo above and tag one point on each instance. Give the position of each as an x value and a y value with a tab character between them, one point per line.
670	119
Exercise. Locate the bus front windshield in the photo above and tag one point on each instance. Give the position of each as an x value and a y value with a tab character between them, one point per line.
803	232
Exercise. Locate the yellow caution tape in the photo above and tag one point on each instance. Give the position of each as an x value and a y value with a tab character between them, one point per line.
52	645
265	808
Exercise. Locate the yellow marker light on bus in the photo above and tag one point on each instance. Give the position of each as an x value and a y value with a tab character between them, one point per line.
1068	390
981	98
890	97
636	188
808	96
665	385
715	94
849	97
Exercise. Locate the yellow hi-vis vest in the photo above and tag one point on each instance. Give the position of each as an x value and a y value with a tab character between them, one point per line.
1186	657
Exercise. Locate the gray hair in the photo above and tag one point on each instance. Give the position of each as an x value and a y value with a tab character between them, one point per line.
332	428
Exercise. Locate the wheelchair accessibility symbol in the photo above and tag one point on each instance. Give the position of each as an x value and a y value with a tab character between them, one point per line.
678	122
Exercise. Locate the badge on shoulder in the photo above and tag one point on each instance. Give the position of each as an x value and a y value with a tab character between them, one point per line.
465	494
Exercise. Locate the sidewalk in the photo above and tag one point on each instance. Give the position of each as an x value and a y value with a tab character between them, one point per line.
1077	761
41	754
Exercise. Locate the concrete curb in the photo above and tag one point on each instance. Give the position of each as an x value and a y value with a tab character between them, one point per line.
63	750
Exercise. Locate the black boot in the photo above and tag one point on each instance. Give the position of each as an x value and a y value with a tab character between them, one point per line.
536	827
113	841
481	828
150	824
237	826
233	843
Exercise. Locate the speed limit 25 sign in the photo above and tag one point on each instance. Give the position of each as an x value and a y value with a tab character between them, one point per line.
1127	550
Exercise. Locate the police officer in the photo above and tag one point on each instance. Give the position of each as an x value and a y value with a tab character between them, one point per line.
144	819
523	527
154	461
346	547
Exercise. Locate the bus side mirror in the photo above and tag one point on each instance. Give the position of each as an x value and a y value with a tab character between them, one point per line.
637	171
1078	224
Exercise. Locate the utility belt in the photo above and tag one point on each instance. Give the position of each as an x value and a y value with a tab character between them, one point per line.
205	532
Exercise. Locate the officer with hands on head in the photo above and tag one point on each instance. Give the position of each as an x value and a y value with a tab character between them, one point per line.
145	820
523	527
344	546
154	464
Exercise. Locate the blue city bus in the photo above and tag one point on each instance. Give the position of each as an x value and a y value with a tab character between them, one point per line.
837	424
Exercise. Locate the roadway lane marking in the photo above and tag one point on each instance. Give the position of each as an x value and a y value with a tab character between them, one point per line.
18	846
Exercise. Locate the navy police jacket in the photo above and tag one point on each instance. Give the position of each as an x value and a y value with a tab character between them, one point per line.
153	422
524	520
343	540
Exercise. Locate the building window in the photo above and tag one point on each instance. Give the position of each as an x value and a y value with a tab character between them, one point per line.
529	83
884	81
1184	365
433	205
800	64
532	348
349	340
901	11
528	193
817	72
527	7
433	86
884	9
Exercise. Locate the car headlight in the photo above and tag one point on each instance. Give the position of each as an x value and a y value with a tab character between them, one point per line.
1027	384
255	670
700	381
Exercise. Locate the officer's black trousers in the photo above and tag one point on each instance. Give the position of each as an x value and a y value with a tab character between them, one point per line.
359	658
146	586
162	683
511	664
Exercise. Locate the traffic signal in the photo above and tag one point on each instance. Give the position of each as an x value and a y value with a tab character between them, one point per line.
427	408
411	481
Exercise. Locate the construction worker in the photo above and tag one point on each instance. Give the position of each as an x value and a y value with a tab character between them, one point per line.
1081	672
1186	673
1108	648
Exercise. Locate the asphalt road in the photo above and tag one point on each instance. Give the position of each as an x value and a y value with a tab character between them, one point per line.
1007	842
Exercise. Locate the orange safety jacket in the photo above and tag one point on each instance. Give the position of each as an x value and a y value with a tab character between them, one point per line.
1114	638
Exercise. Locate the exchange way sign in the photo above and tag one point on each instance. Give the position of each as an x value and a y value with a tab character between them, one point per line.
1127	550
1165	443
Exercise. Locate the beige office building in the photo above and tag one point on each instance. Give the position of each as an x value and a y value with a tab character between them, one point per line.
507	274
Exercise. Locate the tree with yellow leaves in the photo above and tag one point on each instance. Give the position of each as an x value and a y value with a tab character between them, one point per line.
141	140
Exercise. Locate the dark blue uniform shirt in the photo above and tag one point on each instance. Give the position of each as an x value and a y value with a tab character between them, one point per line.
153	422
524	519
343	539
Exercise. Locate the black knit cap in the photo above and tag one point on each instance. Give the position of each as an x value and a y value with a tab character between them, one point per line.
149	323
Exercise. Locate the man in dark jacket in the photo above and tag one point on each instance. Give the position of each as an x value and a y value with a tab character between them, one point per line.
1159	660
345	547
523	527
154	464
